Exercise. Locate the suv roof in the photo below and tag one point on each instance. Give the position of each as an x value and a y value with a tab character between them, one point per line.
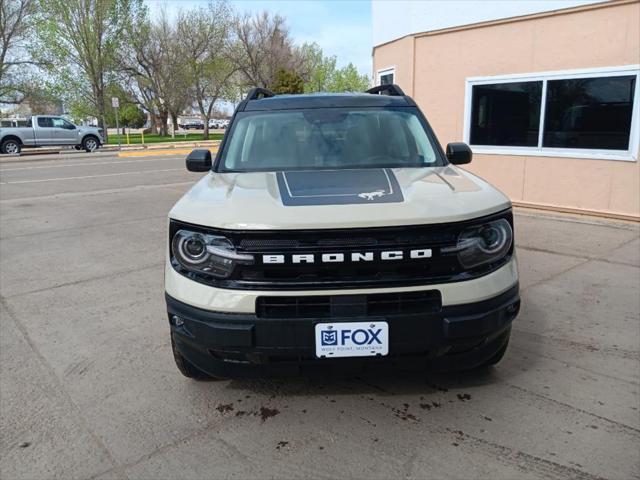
260	99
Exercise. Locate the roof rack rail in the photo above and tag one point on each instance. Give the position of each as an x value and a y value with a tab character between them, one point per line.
391	89
258	93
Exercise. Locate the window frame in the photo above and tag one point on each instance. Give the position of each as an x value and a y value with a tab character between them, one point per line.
385	71
539	151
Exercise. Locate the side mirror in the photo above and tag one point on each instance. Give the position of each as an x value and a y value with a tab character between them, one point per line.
459	153
199	160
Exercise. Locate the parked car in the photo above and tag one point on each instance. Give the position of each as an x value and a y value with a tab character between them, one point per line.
218	123
193	125
333	232
46	131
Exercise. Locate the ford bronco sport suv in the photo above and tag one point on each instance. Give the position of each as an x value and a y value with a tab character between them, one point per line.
333	232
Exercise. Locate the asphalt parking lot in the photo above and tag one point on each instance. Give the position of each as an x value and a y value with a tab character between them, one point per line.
89	389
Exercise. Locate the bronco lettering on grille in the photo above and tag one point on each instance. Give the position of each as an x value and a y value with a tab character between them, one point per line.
338	257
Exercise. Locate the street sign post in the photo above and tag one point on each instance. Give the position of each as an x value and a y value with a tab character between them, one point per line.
115	103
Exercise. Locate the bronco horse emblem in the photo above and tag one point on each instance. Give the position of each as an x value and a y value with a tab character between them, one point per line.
372	195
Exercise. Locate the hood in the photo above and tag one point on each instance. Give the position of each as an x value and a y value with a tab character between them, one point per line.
85	129
338	199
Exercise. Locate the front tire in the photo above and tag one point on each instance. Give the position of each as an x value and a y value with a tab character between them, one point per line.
10	147
186	368
90	143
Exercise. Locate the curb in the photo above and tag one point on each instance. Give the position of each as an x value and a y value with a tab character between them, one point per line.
108	148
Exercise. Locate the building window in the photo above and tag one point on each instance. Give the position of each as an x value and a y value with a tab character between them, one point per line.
386	76
506	114
590	114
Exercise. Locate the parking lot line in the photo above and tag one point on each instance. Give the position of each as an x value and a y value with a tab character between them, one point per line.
169	151
107	191
90	176
84	164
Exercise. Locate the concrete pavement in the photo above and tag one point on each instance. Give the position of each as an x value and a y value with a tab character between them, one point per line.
88	388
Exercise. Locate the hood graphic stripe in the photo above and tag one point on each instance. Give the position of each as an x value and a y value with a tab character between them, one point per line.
338	187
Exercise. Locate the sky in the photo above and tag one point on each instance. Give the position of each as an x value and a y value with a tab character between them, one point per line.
341	27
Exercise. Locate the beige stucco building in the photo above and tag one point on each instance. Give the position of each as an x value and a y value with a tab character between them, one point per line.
545	92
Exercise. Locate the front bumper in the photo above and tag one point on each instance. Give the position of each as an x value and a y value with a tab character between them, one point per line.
241	344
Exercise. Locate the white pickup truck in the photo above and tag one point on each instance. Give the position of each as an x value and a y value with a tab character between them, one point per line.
46	131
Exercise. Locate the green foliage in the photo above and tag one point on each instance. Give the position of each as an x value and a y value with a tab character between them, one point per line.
78	41
319	70
81	53
202	39
347	79
129	114
322	75
288	81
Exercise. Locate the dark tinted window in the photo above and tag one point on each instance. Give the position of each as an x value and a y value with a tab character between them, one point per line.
45	122
589	113
506	114
386	79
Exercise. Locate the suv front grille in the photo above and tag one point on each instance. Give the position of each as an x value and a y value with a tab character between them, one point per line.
442	267
327	306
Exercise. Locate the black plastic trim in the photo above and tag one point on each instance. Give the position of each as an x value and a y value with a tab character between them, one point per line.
236	345
175	306
391	89
259	93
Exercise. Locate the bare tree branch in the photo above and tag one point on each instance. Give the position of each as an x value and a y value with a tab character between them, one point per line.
15	21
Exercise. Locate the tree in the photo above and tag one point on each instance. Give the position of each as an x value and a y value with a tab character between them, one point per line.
262	47
140	62
154	70
41	101
347	79
321	74
203	37
318	69
16	21
79	41
129	114
175	90
288	81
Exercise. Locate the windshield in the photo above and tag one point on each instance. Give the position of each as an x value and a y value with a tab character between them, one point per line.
328	138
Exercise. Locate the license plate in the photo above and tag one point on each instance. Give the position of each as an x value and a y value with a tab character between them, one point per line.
352	339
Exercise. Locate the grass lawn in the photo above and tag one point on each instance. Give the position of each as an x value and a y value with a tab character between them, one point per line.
136	138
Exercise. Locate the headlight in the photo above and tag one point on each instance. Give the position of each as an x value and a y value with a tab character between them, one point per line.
484	243
208	254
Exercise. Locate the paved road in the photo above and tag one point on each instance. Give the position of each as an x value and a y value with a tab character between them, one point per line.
88	387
